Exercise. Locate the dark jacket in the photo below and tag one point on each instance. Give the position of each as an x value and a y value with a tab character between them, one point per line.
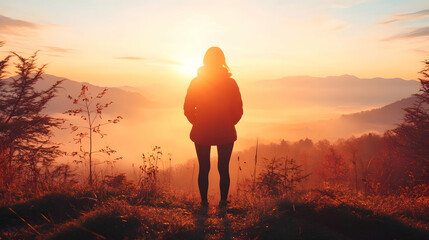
213	105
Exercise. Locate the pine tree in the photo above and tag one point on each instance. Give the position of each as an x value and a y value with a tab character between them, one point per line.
26	149
413	132
280	176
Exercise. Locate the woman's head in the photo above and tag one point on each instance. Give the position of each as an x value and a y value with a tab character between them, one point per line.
214	57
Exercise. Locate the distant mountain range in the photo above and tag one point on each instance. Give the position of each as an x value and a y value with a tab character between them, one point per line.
157	118
124	102
341	91
390	114
375	120
345	90
276	94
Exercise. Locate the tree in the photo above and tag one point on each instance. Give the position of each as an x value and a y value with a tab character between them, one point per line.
351	147
90	110
334	167
389	171
26	149
292	174
413	132
280	176
269	180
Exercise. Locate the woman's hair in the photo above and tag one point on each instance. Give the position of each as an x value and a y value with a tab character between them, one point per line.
214	57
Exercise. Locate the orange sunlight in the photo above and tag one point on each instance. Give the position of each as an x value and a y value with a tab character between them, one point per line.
189	66
226	119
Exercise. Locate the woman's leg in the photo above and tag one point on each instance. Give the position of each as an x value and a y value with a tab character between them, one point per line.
203	154
224	155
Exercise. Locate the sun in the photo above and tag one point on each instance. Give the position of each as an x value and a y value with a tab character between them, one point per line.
189	67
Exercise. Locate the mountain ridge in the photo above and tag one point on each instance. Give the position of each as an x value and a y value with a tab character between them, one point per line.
119	97
378	120
347	90
127	103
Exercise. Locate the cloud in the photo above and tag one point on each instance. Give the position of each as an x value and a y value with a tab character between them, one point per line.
130	58
339	27
387	22
419	32
156	61
57	49
55	55
14	26
404	16
419	14
421	51
328	23
168	61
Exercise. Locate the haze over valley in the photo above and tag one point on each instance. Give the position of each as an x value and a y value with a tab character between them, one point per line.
290	108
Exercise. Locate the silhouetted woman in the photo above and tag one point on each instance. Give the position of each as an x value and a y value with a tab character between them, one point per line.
213	105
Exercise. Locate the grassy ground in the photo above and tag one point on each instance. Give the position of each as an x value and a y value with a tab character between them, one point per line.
308	221
116	214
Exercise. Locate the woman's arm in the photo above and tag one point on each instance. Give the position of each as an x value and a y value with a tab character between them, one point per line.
236	103
189	105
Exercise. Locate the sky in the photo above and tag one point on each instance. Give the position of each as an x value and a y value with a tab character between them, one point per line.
137	42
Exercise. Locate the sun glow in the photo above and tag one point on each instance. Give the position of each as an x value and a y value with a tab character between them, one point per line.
189	67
